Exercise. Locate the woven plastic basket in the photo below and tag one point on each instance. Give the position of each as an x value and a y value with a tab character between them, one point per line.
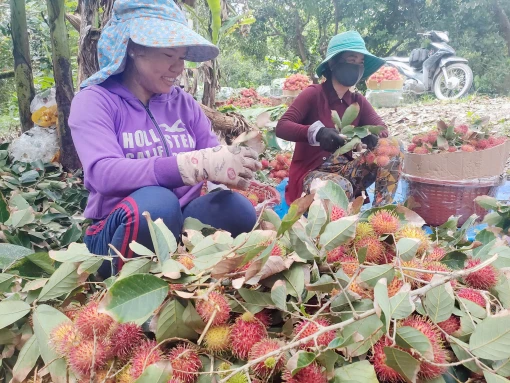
438	200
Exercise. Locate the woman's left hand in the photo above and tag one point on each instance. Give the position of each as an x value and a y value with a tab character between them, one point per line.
370	141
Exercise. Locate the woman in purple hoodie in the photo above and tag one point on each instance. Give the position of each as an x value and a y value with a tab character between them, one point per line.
145	145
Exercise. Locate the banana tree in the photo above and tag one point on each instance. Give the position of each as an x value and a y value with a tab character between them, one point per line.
215	29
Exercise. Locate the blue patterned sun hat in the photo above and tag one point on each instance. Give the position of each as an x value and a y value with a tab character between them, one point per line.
152	23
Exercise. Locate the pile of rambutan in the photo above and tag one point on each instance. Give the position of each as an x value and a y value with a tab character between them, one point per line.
451	139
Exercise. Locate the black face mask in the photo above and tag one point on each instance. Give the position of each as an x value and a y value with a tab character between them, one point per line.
348	74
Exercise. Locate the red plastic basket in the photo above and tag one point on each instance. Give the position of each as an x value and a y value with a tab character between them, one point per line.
438	200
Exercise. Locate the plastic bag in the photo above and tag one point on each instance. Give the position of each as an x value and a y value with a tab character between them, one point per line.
37	143
45	98
384	98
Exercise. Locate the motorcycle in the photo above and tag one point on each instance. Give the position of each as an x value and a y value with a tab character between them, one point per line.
437	70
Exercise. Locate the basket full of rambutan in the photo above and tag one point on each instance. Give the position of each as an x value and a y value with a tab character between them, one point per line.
448	167
294	84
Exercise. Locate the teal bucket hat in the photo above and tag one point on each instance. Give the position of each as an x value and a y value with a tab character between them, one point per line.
155	23
353	42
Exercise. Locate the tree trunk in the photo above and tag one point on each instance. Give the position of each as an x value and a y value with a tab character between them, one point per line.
22	63
63	81
504	22
6	74
89	36
210	83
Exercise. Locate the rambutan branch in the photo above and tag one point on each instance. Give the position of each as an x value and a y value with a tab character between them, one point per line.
338	326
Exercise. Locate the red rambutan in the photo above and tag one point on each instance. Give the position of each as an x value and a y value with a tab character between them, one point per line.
272	364
411	147
349	265
265	317
383	371
382	150
310	374
421	150
450	325
375	249
369	158
125	338
473	296
394	286
452	149
278	250
185	363
306	329
436	254
90	322
144	355
483	279
245	332
86	357
382	161
215	302
467	148
384	222
337	212
64	338
335	255
461	129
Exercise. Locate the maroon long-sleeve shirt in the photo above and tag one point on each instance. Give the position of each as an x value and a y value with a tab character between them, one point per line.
315	103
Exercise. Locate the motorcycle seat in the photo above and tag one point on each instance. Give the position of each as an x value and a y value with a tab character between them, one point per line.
399	59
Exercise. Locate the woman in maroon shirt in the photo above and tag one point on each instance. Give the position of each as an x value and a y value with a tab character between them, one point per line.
308	122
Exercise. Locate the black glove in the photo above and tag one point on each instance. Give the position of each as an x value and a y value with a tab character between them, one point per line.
370	141
329	139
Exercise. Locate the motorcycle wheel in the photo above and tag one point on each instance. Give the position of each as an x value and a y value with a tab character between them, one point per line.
460	80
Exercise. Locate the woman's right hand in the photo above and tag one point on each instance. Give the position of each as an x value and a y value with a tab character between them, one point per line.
329	139
232	166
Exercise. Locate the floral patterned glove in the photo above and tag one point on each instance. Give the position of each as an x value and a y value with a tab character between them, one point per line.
232	166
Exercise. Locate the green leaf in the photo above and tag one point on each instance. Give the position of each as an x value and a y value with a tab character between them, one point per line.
407	248
325	284
141	249
338	233
350	114
91	265
271	217
136	266
369	328
474	309
162	238
487	202
336	120
170	323
11	311
317	217
21	218
334	193
172	269
4	211
348	146
26	360
71	235
301	243
296	210
299	361
46	318
372	274
461	354
11	253
401	305
502	290
256	301
502	367
493	378
159	372
439	303
382	301
295	279
134	297
403	363
6	281
215	8
77	252
374	129
328	359
442	143
455	260
410	338
63	280
279	295
356	372
491	338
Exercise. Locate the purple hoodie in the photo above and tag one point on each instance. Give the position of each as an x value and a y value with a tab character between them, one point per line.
124	146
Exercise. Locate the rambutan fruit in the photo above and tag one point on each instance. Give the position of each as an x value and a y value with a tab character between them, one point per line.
483	279
124	376
185	363
435	266
382	161
337	212
272	364
467	148
394	151
245	332
89	321
432	137
384	222
217	338
364	230
418	139
383	142
483	144
369	158
214	302
452	149
394	286
265	317
86	357
382	150
64	338
409	231
306	328
411	147
473	296
449	326
375	249
421	150
253	199
436	254
428	370
383	371
461	129
364	293
335	255
125	338
349	265
413	275
144	355
240	377
310	374
187	261
278	250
